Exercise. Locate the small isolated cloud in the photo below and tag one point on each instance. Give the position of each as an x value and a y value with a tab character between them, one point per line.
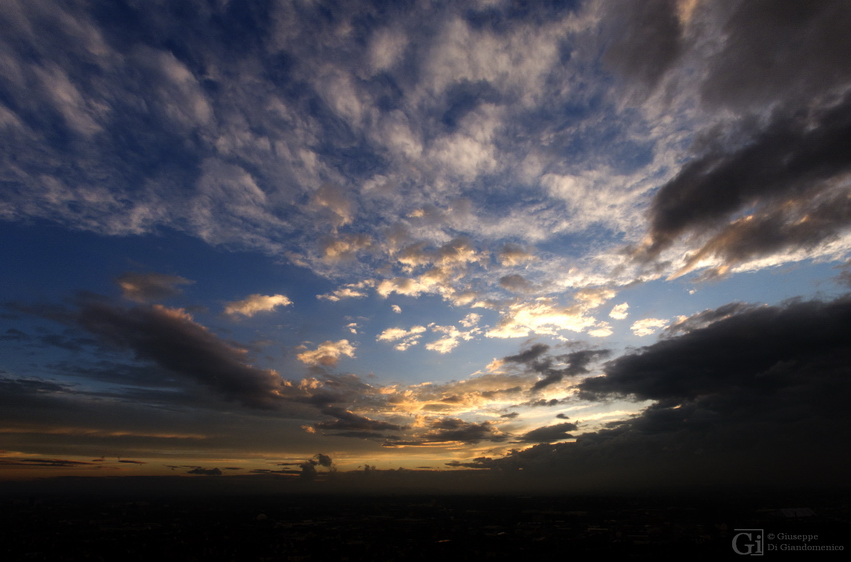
352	327
328	353
147	287
396	308
619	312
406	338
647	326
256	303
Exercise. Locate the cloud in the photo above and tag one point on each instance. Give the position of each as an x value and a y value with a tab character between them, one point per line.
549	433
147	287
514	254
757	349
789	175
253	304
458	251
515	283
451	430
576	364
541	316
470	320
327	353
347	420
452	337
686	324
787	53
647	326
530	355
344	246
554	368
408	337
170	338
755	398
205	471
619	312
647	40
349	291
396	308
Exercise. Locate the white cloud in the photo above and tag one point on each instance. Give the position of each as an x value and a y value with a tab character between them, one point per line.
619	312
327	353
452	337
601	330
253	304
405	338
541	316
350	291
396	308
647	326
471	320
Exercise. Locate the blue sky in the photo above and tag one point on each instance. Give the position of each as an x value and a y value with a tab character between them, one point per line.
405	233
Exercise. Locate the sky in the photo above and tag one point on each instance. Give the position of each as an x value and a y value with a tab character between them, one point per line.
593	241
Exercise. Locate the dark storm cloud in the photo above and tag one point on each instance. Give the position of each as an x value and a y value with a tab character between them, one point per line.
577	364
786	173
761	350
780	66
351	421
172	340
448	430
147	287
549	433
529	355
780	50
646	39
454	429
755	397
